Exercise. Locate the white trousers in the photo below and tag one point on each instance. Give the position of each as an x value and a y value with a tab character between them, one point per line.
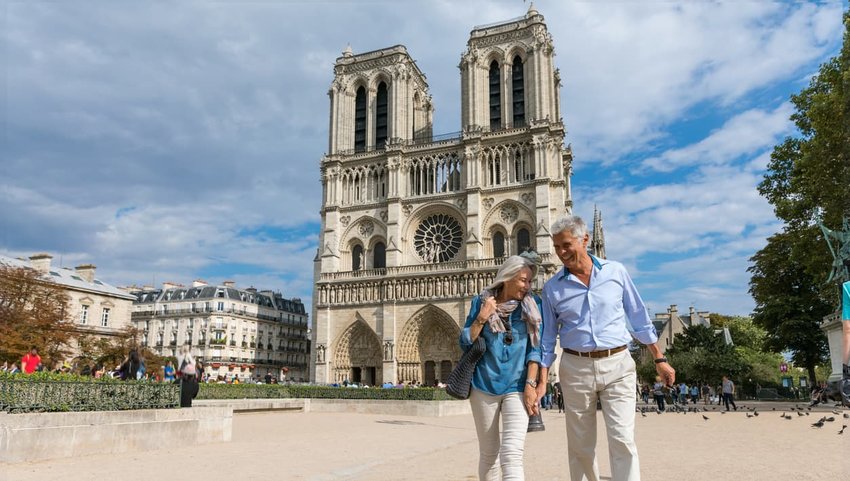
613	380
499	454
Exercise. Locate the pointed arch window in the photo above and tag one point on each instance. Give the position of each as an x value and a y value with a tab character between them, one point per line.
357	258
381	113
518	91
379	253
523	241
495	96
498	245
360	120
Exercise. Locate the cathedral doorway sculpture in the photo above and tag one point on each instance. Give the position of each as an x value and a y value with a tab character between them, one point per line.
358	356
428	348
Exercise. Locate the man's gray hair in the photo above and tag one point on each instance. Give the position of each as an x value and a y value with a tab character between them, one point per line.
572	223
510	269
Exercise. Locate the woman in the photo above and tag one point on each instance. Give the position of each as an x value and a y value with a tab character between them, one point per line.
168	372
188	377
504	383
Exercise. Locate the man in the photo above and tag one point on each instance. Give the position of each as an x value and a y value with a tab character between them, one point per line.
728	393
592	305
30	361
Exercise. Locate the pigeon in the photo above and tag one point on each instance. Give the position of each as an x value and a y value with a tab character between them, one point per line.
800	414
749	415
807	414
846	416
835	412
707	418
643	414
842	429
755	412
829	419
722	412
818	424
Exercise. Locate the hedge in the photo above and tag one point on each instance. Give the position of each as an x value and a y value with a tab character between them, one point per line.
278	391
49	392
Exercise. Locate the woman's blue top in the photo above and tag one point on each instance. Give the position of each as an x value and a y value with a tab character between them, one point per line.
503	368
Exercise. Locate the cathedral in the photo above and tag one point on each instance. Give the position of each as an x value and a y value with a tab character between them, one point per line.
415	224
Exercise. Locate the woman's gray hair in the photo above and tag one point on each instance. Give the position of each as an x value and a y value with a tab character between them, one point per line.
510	269
572	223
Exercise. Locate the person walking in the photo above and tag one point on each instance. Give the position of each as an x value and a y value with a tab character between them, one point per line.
506	378
729	393
188	377
658	393
595	310
30	361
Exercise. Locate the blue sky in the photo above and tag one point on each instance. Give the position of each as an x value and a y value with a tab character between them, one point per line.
169	141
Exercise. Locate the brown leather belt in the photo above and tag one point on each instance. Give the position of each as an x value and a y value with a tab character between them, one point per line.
597	354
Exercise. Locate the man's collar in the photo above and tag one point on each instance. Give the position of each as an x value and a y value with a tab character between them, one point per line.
596	263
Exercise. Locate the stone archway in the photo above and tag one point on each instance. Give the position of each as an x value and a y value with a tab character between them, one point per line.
358	356
429	347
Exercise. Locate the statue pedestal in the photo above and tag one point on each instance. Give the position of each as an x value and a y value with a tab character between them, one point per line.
831	326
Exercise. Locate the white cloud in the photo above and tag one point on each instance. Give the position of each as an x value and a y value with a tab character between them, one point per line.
743	134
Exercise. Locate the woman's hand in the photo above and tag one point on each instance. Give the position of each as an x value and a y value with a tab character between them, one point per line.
488	308
529	398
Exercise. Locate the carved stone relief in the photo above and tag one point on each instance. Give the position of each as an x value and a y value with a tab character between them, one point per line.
366	228
509	213
344	220
487	203
528	198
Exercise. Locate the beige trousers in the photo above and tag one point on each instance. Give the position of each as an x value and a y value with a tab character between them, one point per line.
613	380
499	454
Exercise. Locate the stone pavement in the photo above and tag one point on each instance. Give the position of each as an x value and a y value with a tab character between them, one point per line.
338	446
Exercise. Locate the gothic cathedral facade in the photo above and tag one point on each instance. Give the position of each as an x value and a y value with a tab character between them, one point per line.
414	224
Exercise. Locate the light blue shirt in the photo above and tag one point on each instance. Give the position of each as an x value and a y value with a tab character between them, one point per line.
845	301
503	368
594	318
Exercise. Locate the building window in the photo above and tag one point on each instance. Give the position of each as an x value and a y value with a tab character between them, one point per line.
498	245
518	91
360	120
438	238
104	318
220	306
379	252
523	241
84	314
357	258
381	116
495	96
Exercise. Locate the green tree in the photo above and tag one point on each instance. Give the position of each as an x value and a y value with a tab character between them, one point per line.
807	180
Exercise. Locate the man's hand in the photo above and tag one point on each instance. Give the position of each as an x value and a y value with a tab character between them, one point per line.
529	398
667	373
541	390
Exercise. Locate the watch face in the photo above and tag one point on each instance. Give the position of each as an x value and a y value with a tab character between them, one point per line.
438	238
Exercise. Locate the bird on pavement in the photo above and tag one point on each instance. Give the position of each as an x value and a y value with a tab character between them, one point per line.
705	417
842	429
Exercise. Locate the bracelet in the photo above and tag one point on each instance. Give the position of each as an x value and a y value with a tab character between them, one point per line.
660	360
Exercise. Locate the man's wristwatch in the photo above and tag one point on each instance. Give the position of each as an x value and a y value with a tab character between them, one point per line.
532	383
660	360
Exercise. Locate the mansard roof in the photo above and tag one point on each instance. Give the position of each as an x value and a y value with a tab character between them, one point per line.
268	299
70	279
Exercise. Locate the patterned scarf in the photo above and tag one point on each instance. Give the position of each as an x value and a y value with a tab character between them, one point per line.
530	314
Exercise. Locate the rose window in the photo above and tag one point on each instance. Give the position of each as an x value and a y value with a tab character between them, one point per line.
438	238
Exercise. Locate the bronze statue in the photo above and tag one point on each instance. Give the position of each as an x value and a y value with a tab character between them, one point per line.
839	246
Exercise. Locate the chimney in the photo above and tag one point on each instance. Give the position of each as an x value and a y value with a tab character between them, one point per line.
169	285
86	271
691	313
674	309
229	284
41	262
199	283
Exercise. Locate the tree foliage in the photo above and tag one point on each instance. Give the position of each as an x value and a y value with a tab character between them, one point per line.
33	313
806	181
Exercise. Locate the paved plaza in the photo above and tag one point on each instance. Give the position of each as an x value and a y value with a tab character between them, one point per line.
332	446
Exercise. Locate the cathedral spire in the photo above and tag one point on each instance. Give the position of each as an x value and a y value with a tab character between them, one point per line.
597	241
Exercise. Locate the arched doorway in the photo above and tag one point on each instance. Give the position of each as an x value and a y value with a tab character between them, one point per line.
358	356
428	347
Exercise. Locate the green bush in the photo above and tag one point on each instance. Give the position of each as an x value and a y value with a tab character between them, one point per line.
303	391
49	392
